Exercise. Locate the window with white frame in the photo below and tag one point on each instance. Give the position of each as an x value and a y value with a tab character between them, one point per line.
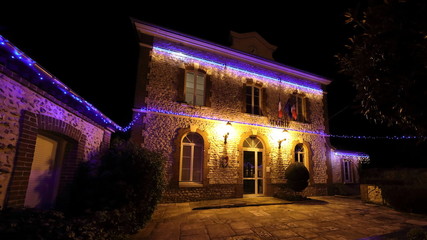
299	153
191	165
195	84
253	100
347	171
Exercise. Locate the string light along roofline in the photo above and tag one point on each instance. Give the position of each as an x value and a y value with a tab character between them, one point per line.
44	75
191	41
350	154
182	55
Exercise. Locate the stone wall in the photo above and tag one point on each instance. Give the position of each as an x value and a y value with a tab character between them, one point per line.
16	100
161	126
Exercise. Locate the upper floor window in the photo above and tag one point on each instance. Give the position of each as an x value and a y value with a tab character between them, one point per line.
296	108
194	87
191	167
253	100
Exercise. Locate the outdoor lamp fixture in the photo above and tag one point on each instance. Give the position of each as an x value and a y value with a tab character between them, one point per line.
227	130
284	133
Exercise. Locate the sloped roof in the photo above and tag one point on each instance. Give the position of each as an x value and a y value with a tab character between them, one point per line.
18	63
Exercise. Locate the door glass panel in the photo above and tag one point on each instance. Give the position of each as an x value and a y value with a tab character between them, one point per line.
259	154
260	188
248	164
197	164
248	186
40	192
186	162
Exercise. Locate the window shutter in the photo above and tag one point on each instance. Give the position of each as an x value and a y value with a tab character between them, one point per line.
208	92
307	110
243	99
264	99
180	85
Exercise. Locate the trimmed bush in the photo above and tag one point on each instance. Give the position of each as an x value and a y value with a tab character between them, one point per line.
113	195
297	176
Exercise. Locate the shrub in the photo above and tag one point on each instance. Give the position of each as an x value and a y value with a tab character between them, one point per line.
297	176
32	224
125	178
35	224
416	233
111	197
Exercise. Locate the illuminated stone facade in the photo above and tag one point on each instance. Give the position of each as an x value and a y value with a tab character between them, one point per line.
30	107
165	119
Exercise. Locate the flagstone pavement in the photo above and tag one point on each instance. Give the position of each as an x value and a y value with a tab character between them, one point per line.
324	217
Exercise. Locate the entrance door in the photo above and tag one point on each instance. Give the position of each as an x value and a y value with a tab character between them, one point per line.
253	170
44	175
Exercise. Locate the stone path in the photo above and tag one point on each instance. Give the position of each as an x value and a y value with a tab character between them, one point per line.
325	217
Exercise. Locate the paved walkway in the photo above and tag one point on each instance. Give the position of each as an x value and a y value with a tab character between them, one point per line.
324	217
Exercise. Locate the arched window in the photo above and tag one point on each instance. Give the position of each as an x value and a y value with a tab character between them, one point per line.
191	166
252	142
299	153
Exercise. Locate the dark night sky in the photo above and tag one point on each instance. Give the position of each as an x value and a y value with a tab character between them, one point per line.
93	50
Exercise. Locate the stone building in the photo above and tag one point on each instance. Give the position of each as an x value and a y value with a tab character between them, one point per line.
229	119
46	129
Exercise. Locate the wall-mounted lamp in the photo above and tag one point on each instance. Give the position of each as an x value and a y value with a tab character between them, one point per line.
283	138
227	130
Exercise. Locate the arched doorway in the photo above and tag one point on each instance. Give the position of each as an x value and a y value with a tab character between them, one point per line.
253	166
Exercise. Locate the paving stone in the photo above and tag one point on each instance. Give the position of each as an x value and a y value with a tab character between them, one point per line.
245	237
335	218
284	234
200	231
416	222
246	231
295	238
191	226
306	233
263	234
195	237
219	230
240	225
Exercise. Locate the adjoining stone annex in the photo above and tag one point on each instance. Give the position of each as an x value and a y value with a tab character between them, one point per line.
231	119
46	131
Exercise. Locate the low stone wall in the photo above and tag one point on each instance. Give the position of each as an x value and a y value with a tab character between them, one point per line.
190	194
372	194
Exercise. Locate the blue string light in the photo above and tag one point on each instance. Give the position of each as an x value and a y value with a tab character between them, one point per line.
351	154
181	55
43	74
320	133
